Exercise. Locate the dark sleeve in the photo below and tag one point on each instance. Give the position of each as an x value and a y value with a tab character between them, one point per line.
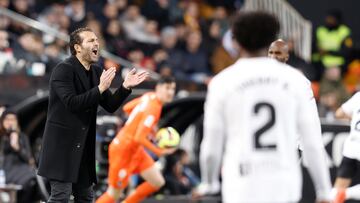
62	81
25	150
112	101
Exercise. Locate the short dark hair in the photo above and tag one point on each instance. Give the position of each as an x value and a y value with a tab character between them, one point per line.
165	80
255	30
76	39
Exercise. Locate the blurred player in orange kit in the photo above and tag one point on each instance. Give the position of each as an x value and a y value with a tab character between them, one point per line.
127	155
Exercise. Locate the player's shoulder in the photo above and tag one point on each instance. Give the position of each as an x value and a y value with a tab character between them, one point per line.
150	99
356	96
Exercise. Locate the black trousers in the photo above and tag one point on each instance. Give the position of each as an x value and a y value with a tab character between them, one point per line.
61	191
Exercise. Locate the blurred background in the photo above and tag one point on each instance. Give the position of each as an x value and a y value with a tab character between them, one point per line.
188	39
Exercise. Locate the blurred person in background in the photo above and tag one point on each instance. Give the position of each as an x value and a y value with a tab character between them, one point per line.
116	40
110	12
176	183
169	42
76	11
22	7
4	3
279	50
251	156
194	61
332	92
192	16
6	53
333	42
158	11
18	160
185	161
133	22
29	52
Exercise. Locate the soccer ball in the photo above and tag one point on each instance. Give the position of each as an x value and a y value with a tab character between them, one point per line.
167	137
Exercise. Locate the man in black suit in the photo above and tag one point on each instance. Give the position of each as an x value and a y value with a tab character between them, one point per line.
77	87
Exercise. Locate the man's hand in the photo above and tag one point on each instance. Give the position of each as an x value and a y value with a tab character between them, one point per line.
133	78
168	151
106	78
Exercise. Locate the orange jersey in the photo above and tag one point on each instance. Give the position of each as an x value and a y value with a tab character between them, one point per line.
144	113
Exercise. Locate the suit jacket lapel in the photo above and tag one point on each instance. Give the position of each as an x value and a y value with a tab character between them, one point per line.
79	68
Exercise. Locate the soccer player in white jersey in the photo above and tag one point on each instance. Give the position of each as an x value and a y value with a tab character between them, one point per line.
351	154
254	112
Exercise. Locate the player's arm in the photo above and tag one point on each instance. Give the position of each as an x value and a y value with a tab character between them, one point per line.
212	145
313	147
346	109
144	129
341	114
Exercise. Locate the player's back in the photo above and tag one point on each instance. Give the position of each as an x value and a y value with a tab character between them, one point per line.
143	112
260	101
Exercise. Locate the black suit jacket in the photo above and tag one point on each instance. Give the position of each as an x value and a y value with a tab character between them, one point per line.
72	110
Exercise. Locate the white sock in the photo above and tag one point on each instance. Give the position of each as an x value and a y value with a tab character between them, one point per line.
333	193
353	192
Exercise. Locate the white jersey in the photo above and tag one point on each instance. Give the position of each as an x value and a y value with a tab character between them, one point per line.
254	113
352	143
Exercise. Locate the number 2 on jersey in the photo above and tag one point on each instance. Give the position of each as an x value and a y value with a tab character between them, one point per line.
262	130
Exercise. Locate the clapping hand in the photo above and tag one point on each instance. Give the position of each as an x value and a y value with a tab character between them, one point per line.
134	78
106	78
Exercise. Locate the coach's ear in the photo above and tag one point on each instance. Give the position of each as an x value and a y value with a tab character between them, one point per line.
77	48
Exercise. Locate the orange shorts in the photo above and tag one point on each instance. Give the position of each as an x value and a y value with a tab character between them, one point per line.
126	159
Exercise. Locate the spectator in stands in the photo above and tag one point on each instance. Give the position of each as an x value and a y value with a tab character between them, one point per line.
4	22
77	13
18	160
4	3
194	61
192	16
169	42
116	41
212	36
158	11
221	17
333	42
176	183
185	161
22	7
29	52
161	58
110	12
133	22
53	56
332	92
6	53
